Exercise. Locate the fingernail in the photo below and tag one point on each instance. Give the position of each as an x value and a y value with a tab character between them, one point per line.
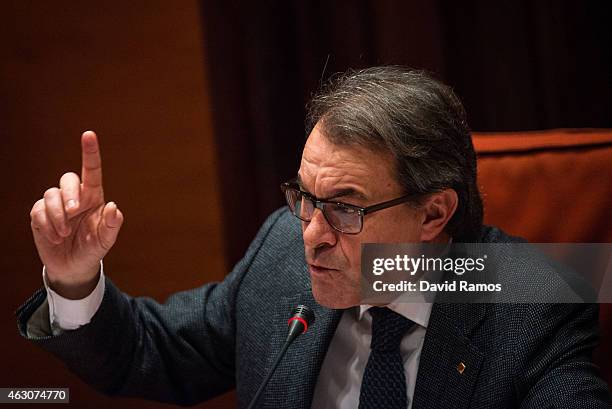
71	204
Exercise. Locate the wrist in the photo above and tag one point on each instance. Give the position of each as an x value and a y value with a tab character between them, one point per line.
71	288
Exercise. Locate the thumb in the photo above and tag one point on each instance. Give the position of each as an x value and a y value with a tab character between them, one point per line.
109	225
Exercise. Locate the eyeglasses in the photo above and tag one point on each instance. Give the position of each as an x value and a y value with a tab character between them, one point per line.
343	217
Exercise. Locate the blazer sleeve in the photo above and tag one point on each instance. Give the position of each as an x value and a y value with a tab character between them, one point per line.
558	371
181	351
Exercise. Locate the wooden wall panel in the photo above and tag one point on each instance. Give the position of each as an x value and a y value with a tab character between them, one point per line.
135	73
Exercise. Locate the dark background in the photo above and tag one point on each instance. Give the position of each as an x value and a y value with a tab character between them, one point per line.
200	107
516	65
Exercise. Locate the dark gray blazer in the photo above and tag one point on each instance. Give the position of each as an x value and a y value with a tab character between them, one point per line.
206	341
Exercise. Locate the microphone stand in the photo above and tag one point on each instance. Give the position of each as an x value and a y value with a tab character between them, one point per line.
298	324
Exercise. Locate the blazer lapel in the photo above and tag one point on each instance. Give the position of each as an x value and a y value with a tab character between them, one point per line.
450	363
293	383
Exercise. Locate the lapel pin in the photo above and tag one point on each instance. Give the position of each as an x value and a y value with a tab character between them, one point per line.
461	368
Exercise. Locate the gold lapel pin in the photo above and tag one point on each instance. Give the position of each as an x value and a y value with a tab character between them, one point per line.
461	368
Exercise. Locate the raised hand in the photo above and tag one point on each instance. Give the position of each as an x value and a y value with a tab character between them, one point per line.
74	227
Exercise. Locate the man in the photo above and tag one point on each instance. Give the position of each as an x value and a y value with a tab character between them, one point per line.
388	159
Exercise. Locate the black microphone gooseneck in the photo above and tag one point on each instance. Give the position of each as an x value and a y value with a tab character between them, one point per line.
301	318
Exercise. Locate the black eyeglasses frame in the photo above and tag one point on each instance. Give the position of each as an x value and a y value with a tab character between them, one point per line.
362	211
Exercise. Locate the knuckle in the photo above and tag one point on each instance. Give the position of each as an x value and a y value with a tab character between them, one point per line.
38	206
50	192
38	219
105	246
68	175
69	178
36	213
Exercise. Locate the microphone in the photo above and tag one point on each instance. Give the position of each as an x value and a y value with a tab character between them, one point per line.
301	319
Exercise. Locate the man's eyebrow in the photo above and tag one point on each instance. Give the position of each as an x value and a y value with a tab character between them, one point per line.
348	192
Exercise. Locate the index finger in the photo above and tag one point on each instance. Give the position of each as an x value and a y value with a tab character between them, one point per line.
91	173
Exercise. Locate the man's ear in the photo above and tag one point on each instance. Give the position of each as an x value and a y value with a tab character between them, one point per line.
437	210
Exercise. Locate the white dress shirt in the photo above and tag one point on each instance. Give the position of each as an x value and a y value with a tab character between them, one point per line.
339	381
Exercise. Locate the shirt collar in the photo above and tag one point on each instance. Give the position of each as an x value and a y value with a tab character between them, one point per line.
418	312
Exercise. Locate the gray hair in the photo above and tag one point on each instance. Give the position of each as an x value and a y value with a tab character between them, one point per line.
416	118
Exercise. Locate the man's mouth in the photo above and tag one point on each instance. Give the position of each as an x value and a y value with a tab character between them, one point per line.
320	270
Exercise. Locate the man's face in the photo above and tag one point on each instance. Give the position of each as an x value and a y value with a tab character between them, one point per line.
354	175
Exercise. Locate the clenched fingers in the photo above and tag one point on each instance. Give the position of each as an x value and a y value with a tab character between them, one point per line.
54	209
70	186
40	225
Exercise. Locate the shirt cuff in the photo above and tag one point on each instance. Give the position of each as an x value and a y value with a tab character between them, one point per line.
66	314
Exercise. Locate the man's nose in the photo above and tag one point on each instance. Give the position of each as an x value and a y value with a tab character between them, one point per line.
318	233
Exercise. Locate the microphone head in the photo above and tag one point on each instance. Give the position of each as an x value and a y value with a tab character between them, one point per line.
302	317
305	313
